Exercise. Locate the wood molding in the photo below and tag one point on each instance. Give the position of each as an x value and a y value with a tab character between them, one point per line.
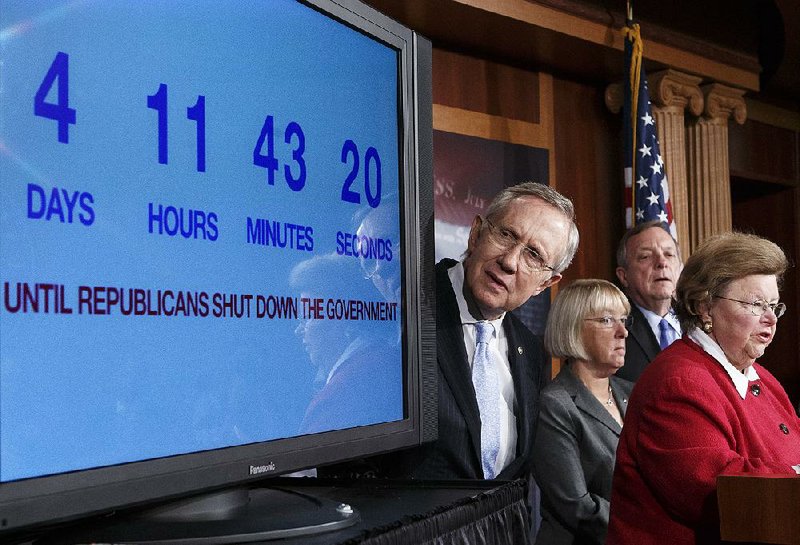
550	19
604	35
613	15
773	115
513	131
503	129
469	123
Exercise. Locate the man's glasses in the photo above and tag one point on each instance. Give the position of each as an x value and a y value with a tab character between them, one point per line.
504	239
610	321
759	306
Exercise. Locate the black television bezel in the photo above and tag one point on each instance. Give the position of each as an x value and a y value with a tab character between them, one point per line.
30	506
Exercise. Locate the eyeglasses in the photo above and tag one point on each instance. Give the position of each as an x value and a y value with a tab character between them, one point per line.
504	239
759	306
610	321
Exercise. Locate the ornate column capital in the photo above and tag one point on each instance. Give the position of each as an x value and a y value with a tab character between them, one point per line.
668	88
672	88
722	101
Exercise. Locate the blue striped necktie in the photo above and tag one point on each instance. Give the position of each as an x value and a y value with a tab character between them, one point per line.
666	337
487	391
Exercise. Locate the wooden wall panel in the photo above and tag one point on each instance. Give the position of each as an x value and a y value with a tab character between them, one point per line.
485	99
588	158
479	85
476	97
769	210
566	38
764	152
765	195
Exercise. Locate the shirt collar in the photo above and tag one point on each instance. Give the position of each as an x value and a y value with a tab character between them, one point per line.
654	319
456	274
740	379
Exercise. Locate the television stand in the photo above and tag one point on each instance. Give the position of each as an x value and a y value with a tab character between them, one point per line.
405	512
233	516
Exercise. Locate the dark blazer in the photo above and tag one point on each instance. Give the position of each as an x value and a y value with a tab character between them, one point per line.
641	346
456	453
573	459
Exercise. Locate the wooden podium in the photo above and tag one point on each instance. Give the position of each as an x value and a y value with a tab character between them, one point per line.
761	509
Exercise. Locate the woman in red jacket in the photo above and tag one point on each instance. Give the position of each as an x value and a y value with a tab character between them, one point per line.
703	407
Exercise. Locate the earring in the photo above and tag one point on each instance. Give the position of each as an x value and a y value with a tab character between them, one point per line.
708	327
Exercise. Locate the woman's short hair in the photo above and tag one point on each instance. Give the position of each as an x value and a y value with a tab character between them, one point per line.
717	262
552	197
581	299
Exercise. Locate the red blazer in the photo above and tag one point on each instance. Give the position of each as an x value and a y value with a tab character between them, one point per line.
685	425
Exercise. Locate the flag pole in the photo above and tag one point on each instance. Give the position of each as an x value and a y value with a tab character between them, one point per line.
631	33
644	168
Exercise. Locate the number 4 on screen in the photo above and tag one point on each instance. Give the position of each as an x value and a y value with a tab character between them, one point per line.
58	111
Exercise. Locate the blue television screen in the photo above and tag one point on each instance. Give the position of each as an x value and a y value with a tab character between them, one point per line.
207	226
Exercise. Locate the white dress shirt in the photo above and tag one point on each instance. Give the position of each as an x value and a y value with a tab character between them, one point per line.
741	379
498	347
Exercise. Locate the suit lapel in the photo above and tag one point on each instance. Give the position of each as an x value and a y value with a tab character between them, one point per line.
452	357
521	365
524	365
586	402
642	334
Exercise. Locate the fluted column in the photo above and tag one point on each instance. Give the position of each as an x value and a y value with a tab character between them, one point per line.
672	93
707	162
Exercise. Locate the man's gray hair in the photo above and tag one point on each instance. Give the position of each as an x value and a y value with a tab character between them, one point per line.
622	248
552	197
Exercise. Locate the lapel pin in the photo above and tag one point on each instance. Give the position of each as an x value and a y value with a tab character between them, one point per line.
519	350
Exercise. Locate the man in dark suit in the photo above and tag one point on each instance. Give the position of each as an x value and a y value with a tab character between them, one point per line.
526	239
648	266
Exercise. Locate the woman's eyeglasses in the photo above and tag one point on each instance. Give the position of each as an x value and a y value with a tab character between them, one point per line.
759	306
610	321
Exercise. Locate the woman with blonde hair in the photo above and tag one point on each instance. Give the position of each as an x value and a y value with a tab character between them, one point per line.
581	412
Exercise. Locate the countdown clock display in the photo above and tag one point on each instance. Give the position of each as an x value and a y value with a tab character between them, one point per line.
182	204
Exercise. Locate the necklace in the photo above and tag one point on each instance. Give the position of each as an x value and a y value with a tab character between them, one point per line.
610	401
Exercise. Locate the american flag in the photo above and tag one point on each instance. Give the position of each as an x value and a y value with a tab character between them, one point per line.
647	191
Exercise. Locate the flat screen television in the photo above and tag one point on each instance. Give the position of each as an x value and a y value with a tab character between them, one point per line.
216	248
